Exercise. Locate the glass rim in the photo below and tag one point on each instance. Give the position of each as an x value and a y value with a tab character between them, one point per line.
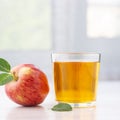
76	56
75	53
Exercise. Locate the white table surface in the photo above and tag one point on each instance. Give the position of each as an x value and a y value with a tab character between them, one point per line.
108	107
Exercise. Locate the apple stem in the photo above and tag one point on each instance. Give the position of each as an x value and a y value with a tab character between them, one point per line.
15	76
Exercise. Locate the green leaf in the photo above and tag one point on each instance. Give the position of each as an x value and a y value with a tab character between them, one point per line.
62	107
5	78
4	65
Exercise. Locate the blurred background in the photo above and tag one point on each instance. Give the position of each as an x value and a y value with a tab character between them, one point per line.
31	30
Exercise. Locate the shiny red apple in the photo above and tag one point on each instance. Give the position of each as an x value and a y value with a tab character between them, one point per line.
29	87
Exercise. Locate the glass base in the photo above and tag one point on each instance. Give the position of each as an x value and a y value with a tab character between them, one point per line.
77	105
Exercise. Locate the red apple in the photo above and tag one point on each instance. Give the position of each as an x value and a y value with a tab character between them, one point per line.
29	87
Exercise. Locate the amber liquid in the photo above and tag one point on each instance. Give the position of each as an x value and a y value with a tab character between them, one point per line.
76	82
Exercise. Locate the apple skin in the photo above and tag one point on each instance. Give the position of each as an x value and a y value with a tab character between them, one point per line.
29	87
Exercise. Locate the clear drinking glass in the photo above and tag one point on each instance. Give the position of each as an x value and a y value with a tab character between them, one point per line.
76	78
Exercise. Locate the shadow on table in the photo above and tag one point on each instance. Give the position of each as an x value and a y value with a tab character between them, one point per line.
76	114
42	113
26	113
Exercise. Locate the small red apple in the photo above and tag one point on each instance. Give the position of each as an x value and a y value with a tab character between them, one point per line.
29	87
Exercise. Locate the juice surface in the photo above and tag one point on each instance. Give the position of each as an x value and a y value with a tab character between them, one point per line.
75	82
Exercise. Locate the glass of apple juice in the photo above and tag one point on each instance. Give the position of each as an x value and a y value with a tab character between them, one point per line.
76	77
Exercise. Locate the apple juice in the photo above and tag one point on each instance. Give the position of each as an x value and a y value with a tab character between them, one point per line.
75	82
